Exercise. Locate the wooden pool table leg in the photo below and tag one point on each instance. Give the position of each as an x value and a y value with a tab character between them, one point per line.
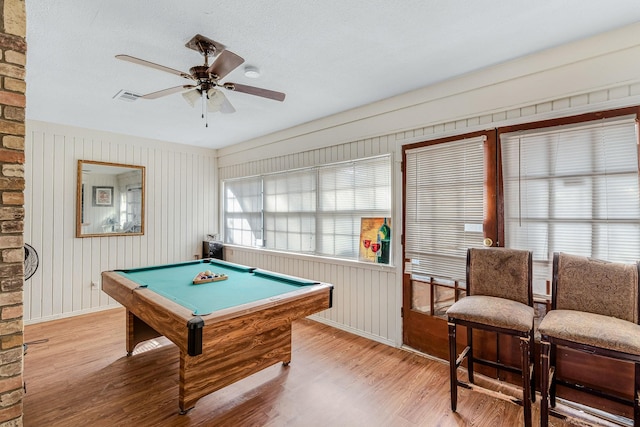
185	411
138	331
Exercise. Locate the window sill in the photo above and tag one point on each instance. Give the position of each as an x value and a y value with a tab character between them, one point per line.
315	258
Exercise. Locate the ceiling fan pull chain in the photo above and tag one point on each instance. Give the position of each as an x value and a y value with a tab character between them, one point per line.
203	104
205	114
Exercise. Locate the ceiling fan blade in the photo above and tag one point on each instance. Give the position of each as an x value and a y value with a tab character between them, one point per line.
252	90
154	65
165	92
226	62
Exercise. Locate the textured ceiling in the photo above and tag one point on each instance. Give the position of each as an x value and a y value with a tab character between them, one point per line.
327	56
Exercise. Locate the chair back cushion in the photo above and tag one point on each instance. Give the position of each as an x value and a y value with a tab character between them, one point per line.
595	286
500	272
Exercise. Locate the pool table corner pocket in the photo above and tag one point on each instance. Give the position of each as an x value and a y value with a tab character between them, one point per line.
194	344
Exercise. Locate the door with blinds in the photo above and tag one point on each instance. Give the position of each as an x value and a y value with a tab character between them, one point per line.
450	204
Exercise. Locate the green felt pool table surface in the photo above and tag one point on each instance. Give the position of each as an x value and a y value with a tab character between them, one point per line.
243	285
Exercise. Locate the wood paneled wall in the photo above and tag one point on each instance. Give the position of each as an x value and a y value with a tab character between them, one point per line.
181	208
332	153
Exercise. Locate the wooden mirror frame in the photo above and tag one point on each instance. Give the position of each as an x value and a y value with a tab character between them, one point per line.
103	194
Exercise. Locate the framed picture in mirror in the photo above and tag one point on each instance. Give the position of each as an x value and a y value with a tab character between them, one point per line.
102	196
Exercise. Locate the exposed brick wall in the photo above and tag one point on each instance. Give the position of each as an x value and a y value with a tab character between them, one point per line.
13	49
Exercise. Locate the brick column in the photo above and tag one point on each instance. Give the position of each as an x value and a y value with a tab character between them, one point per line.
13	49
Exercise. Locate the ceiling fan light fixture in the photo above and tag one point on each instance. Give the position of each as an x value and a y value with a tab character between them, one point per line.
215	100
251	71
191	96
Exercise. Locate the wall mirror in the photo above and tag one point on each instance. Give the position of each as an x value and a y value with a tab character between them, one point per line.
109	199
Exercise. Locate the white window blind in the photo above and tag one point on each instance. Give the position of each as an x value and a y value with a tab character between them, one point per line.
348	192
243	211
313	210
572	189
444	206
289	211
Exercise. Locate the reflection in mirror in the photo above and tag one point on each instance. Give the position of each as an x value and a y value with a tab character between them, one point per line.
109	199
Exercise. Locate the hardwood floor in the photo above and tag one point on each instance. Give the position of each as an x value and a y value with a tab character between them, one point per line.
77	373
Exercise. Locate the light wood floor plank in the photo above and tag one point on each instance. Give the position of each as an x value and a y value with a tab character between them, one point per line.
81	376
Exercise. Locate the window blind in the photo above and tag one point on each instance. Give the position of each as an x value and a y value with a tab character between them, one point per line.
444	206
243	211
347	193
289	211
313	210
572	189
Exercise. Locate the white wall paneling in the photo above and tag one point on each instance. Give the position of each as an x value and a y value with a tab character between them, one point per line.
181	208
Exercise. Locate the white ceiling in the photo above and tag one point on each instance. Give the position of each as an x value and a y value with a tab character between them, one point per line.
328	56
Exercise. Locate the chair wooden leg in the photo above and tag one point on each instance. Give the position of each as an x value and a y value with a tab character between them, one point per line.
545	349
532	361
552	382
526	380
470	353
636	396
453	369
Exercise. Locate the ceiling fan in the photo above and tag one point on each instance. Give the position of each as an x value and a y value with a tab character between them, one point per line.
206	78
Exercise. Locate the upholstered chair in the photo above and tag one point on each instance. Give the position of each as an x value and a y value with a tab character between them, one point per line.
499	299
594	309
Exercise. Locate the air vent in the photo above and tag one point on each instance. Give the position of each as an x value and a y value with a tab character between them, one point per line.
125	95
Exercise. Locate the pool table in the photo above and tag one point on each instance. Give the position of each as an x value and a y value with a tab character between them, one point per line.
226	330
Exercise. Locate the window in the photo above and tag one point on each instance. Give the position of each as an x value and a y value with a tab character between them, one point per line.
130	219
347	193
133	217
314	210
243	211
572	189
289	211
445	204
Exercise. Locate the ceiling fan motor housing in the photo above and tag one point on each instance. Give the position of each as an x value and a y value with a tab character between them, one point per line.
200	72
